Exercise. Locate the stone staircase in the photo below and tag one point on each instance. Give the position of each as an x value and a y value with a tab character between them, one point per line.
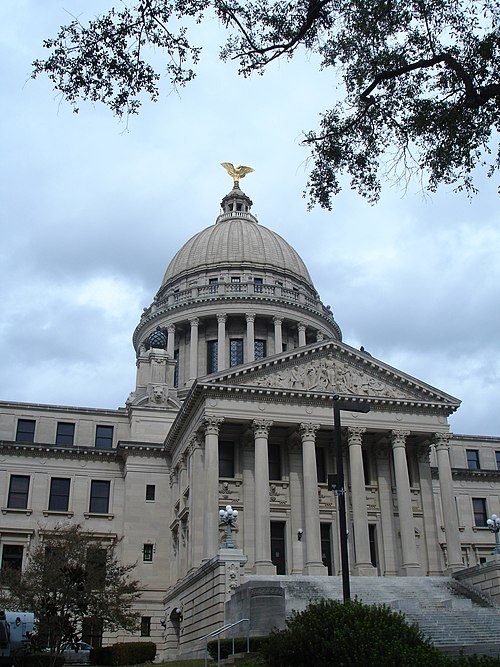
453	617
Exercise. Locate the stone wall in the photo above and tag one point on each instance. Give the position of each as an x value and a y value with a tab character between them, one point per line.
485	577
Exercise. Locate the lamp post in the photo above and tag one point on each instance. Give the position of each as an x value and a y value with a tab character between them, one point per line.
228	516
339	404
493	524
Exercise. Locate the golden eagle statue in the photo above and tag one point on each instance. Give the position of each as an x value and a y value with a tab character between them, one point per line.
236	172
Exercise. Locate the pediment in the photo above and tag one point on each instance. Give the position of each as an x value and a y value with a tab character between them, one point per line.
333	368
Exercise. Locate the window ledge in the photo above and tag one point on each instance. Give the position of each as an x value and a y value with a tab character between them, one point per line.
98	515
16	510
480	528
68	513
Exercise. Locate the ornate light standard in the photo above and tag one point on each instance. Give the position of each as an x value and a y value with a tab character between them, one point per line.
493	524
228	516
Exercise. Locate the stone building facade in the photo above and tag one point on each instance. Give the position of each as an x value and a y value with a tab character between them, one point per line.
238	361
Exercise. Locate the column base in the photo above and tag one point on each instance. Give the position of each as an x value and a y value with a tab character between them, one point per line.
411	570
264	567
454	567
364	570
317	569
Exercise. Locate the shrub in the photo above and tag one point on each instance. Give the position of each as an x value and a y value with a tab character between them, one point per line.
102	655
124	653
350	634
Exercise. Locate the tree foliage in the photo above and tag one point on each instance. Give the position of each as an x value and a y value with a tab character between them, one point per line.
420	78
70	577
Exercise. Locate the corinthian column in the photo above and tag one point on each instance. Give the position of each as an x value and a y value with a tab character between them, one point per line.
410	564
211	537
278	334
453	549
221	341
362	561
196	500
171	340
250	337
301	327
263	563
312	533
193	349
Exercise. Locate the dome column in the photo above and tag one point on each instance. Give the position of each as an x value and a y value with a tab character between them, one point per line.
301	328
171	340
193	349
221	341
278	334
250	337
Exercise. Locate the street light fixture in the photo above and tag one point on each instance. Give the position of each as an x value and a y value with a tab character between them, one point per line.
339	403
228	516
493	524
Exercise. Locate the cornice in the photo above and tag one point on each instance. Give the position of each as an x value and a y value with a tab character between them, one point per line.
471	475
57	451
47	407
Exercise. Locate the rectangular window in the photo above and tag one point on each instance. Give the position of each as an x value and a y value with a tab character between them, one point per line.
25	430
235	279
145	626
96	567
176	369
260	348
372	537
479	509
92	631
104	437
12	556
278	552
473	459
274	454
497	458
257	284
212	356
99	496
147	553
321	464
59	494
226	459
235	352
150	492
213	281
18	492
65	434
326	546
366	468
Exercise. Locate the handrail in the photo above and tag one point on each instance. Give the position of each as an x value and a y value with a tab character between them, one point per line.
217	633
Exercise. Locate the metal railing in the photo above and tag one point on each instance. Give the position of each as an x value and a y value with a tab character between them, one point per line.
217	633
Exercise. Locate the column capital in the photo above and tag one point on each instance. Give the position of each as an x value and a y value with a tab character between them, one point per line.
221	318
261	426
308	430
319	336
399	438
441	441
173	476
277	320
212	424
171	328
194	321
355	435
195	442
301	326
250	317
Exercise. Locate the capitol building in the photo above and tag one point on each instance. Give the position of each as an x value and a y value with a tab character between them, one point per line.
238	363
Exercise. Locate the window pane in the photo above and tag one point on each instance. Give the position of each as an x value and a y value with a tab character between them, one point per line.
176	370
25	430
320	464
479	509
12	556
150	491
212	356
59	494
145	626
226	459
235	352
497	456
274	453
147	553
99	497
104	437
65	433
473	459
260	348
18	492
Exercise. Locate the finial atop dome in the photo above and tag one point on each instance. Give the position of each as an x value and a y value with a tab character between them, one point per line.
236	172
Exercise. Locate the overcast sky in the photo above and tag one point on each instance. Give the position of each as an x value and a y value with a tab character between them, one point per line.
93	211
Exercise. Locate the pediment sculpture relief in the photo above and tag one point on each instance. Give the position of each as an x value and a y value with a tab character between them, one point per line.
330	375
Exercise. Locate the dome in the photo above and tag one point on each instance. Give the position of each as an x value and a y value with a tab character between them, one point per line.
237	239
